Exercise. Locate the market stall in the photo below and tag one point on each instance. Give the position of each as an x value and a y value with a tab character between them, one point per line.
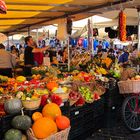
73	102
80	93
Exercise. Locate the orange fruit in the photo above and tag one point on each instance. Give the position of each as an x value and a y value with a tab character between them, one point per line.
36	116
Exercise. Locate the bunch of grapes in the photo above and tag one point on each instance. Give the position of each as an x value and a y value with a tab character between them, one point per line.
86	93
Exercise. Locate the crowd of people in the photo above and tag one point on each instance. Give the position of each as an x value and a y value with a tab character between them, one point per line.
33	54
124	55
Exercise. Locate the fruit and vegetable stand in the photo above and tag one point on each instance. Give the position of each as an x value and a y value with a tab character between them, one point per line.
79	93
86	98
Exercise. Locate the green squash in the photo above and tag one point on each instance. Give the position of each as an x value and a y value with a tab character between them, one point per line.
13	134
22	122
13	106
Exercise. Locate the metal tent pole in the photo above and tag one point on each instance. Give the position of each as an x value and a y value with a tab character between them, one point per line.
92	47
28	31
8	42
68	54
37	37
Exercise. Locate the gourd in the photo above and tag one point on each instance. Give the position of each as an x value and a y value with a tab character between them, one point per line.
13	134
22	122
13	106
62	122
51	110
44	127
36	116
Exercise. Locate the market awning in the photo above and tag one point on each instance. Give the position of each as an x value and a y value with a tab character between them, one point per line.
22	14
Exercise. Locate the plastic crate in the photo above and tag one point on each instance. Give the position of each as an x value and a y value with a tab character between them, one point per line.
65	108
77	124
98	123
76	111
77	118
98	108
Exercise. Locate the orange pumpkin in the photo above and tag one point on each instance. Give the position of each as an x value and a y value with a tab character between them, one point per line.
62	122
44	127
36	116
51	110
51	85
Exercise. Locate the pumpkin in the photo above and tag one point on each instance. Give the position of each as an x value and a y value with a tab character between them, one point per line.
22	122
51	85
13	134
13	106
51	110
36	116
62	122
44	127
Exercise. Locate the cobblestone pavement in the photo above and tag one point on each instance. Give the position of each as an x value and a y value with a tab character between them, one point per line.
119	132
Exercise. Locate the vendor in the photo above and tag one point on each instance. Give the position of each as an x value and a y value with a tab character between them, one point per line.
123	58
29	56
7	62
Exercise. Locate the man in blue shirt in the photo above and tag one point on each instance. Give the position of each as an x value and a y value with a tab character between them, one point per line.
96	43
124	57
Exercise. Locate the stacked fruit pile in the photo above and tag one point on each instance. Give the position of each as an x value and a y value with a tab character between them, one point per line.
51	116
45	124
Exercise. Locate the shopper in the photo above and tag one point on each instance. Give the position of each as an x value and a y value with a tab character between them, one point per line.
7	62
29	56
135	52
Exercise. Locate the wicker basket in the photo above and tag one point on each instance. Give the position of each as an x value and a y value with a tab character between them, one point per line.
63	96
62	135
130	86
31	104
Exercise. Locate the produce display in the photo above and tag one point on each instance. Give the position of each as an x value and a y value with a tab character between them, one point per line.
36	92
80	58
48	88
52	118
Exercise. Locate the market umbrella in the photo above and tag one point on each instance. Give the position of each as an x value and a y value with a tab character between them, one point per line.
3	7
2	38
